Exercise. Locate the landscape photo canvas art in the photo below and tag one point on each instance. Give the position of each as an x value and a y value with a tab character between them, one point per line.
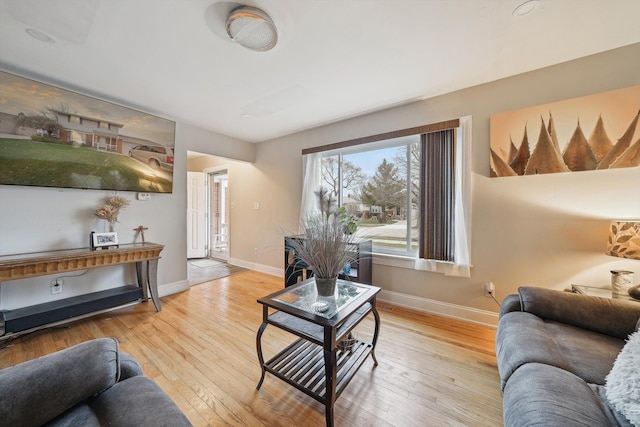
52	137
589	133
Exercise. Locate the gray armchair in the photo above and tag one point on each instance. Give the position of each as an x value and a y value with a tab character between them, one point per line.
90	384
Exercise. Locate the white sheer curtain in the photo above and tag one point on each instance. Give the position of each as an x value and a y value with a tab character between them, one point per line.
462	210
312	175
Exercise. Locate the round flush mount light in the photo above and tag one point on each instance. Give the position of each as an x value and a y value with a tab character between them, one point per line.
252	28
525	8
40	35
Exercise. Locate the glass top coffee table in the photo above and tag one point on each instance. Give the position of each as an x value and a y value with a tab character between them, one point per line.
314	363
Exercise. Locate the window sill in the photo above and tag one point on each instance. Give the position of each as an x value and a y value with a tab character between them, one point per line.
442	267
394	261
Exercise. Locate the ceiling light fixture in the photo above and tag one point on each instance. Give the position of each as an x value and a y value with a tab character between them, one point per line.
525	8
252	28
39	35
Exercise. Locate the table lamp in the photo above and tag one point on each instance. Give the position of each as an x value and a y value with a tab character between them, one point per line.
624	242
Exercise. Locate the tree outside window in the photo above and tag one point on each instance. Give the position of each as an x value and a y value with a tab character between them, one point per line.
373	186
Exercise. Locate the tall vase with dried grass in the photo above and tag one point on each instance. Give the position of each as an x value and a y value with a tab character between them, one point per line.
324	246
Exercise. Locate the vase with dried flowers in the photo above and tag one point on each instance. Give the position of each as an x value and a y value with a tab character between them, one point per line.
324	246
110	210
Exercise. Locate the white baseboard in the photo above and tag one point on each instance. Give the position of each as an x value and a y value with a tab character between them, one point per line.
173	288
469	314
266	269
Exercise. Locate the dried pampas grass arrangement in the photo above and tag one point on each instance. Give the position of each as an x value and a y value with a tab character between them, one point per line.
110	210
323	245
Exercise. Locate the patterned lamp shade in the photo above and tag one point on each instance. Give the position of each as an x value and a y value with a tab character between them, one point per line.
624	239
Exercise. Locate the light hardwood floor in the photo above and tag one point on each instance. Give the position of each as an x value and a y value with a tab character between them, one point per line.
201	349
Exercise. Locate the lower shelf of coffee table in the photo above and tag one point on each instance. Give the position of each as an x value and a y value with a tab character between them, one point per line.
301	364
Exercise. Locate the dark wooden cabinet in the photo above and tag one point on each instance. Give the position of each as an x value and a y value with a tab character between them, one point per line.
295	270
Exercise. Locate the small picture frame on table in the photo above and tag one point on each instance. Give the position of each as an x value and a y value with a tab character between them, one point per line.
103	240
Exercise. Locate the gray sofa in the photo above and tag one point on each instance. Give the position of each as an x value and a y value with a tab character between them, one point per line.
90	384
554	351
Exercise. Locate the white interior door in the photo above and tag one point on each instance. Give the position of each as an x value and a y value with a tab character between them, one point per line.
196	215
219	214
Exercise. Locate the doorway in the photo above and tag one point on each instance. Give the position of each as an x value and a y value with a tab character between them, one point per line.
208	220
218	213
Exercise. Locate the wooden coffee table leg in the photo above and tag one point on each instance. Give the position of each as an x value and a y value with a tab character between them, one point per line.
330	395
265	314
375	334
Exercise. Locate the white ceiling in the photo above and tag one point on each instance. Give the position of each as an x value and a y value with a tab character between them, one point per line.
334	58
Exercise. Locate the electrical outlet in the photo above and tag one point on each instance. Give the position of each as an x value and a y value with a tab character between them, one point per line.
256	251
56	286
489	289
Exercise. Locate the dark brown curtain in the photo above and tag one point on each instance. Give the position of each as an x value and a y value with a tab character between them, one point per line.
438	198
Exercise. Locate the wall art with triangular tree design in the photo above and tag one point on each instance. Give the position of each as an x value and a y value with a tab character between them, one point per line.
589	133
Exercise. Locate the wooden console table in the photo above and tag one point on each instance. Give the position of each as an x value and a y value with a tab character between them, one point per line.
23	266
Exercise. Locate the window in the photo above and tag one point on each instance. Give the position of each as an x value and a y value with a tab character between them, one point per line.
409	191
374	183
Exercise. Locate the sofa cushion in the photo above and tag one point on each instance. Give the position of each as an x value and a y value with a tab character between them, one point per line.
615	317
122	405
524	338
79	415
35	392
543	395
623	382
